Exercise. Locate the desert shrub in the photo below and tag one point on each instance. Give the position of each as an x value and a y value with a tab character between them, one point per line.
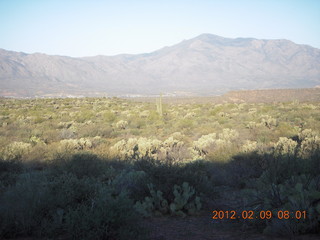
171	149
131	181
164	175
297	193
16	150
109	116
121	124
67	133
310	143
106	217
45	205
84	116
76	144
235	173
285	147
252	125
210	143
9	171
23	206
10	166
135	148
80	164
249	146
268	121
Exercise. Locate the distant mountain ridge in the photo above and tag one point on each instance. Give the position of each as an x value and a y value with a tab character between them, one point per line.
207	64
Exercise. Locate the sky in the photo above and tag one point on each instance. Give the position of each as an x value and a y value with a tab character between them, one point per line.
81	28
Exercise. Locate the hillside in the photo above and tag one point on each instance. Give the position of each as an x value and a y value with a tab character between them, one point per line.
205	65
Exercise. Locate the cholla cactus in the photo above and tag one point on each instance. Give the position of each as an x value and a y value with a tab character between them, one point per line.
76	144
309	145
137	148
120	148
252	110
16	150
189	115
200	146
121	124
65	124
183	196
172	149
178	135
204	143
306	133
252	125
148	147
36	140
285	146
308	106
249	146
268	121
223	114
228	134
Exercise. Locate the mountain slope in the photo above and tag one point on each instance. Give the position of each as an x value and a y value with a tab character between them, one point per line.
202	65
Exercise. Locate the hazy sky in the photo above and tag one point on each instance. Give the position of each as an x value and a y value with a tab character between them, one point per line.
96	27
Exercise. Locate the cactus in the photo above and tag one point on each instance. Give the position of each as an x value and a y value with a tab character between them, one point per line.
181	206
121	124
249	146
16	150
182	201
285	146
268	121
159	105
155	204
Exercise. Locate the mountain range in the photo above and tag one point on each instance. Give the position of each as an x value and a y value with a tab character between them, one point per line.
205	65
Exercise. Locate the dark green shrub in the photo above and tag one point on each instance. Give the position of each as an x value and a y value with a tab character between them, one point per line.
80	164
23	206
105	217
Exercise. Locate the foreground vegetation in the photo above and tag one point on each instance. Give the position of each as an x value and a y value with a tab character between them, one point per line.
93	168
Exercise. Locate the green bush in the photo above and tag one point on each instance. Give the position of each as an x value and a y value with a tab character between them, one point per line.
105	217
81	164
44	205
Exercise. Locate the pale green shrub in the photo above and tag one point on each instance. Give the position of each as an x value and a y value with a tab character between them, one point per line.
249	146
172	149
252	110
144	114
268	121
76	144
228	134
285	146
211	142
16	150
306	133
252	125
189	115
136	148
309	146
121	124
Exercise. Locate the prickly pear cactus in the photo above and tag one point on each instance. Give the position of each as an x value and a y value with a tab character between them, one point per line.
184	202
155	204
